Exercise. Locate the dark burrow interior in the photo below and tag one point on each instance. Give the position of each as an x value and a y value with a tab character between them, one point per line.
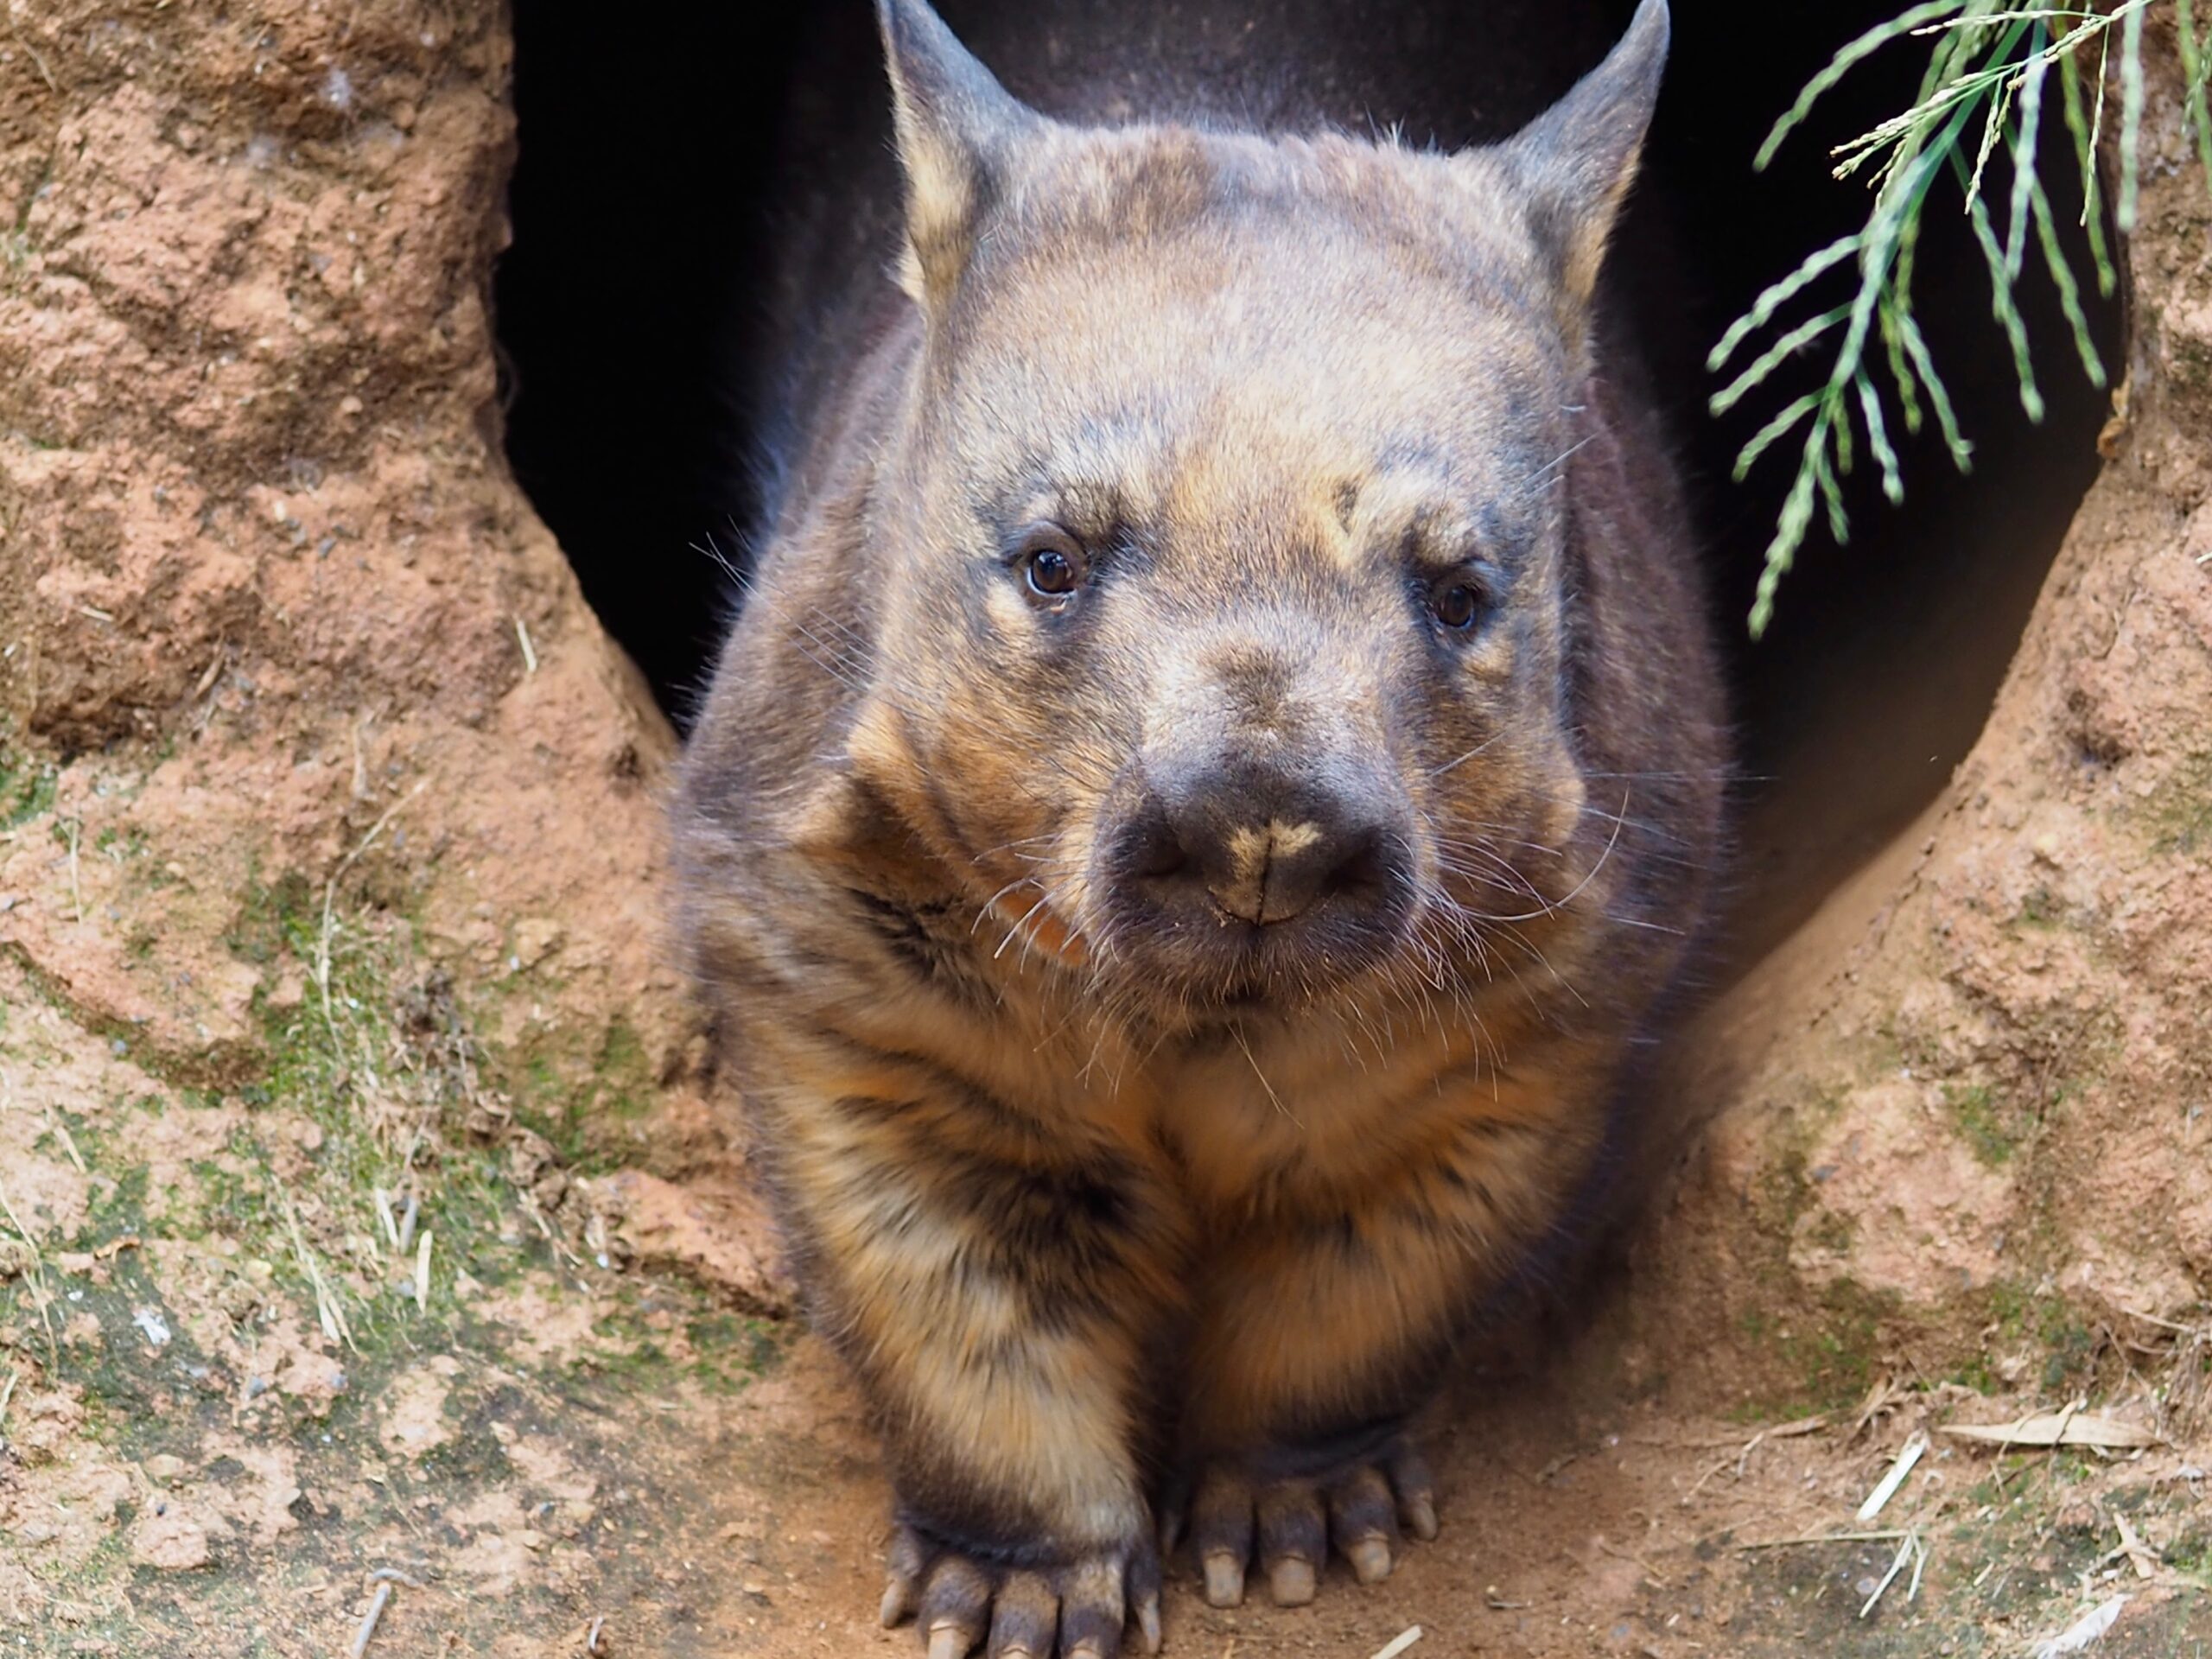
630	300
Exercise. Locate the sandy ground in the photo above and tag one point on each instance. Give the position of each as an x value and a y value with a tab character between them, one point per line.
246	1402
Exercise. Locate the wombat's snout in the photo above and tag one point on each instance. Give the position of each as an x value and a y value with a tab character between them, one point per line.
1264	841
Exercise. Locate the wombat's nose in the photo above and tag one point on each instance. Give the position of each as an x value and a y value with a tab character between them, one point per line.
1262	845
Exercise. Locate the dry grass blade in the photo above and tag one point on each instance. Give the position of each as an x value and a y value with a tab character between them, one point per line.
1398	1644
1880	1400
1795	1427
39	1289
528	1206
1741	1457
1909	1549
384	1219
2186	1351
60	1130
2056	1428
2140	1555
1914	1449
330	894
54	1125
328	1313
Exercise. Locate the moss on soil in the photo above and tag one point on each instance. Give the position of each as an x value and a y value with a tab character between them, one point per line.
1981	1123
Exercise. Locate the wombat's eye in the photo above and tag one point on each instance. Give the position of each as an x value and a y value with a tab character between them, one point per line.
1457	601
1051	560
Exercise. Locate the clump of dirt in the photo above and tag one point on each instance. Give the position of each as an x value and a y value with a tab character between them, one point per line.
375	1264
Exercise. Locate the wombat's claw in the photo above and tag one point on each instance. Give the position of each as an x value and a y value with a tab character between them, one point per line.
1077	1612
1292	1524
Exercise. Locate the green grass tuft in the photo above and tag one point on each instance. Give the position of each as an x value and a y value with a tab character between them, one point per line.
26	789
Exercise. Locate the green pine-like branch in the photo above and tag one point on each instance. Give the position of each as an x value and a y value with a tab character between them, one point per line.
1984	97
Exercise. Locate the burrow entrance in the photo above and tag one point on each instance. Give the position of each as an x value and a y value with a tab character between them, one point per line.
631	304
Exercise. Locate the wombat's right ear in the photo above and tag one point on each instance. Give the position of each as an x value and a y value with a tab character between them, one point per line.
958	131
1575	161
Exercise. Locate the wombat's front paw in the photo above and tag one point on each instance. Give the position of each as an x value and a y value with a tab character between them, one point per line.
1076	1609
1294	1522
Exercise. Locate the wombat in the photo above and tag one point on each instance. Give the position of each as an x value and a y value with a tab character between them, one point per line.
1215	775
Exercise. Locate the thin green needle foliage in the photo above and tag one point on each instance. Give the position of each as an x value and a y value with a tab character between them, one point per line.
1995	68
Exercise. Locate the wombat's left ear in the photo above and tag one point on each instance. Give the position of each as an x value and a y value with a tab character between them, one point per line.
958	131
1574	162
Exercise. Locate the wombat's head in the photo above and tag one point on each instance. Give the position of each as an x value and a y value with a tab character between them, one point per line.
1221	553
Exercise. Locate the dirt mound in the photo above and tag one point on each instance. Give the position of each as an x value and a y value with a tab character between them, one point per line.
372	1242
279	633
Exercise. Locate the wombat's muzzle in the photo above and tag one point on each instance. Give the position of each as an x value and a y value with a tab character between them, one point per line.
1237	860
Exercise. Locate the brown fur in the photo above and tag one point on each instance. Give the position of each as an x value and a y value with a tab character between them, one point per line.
1082	1198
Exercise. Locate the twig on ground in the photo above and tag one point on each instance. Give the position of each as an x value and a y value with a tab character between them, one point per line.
362	791
31	52
1390	1650
2132	1314
1790	1430
1620	1555
377	1603
1543	1476
2065	1420
74	828
1887	1535
214	667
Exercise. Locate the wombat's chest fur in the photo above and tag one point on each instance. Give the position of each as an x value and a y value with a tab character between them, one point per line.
1217	768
